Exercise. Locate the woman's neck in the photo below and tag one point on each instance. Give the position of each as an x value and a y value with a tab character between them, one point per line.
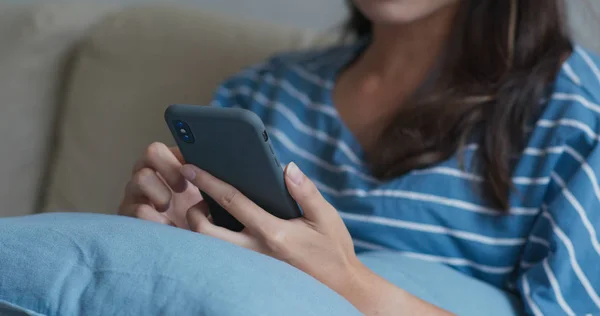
392	68
412	47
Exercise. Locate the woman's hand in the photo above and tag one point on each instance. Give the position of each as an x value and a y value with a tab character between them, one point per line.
157	192
318	243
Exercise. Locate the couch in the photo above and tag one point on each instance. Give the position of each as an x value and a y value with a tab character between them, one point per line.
83	87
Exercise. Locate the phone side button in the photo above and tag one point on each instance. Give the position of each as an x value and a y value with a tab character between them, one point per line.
277	161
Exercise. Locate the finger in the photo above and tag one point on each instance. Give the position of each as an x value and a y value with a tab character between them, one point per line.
198	220
167	162
142	162
128	201
147	212
146	184
239	206
304	191
177	153
202	206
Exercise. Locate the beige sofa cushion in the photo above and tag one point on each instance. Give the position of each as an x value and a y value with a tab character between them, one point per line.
133	65
35	41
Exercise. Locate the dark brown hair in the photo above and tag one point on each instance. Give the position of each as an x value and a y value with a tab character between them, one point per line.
498	66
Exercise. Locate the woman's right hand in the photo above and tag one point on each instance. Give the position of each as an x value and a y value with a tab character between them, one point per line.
157	191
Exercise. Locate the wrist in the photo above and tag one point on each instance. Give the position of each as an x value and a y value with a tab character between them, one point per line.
373	295
357	282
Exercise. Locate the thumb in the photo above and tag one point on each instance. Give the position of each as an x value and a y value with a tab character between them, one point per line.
304	191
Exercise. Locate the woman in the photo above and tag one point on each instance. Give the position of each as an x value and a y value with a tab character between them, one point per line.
463	132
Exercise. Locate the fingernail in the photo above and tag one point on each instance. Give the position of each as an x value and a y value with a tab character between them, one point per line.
293	172
188	172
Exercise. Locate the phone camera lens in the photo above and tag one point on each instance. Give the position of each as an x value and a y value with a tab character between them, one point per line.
183	131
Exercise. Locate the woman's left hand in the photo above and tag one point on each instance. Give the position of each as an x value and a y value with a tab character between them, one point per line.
318	243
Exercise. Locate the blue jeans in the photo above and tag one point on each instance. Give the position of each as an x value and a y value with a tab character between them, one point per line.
84	264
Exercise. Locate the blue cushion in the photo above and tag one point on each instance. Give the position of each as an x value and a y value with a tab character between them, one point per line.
84	264
80	264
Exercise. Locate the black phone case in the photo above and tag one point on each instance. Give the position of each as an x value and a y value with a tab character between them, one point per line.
233	145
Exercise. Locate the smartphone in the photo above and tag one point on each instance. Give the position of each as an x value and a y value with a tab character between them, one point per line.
233	145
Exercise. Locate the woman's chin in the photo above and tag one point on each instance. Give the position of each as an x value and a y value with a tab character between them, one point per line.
400	11
389	12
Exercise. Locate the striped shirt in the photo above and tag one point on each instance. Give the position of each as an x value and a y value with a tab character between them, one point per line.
546	249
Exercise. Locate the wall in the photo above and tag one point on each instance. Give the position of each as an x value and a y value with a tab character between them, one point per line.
585	22
313	14
302	13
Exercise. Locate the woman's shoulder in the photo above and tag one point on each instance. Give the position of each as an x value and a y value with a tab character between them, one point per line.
314	65
573	107
315	58
295	72
580	73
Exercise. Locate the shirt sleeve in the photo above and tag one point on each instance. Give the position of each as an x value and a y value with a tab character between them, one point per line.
560	271
237	91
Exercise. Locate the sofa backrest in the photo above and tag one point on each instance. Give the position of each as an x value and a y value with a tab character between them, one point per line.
126	71
35	42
